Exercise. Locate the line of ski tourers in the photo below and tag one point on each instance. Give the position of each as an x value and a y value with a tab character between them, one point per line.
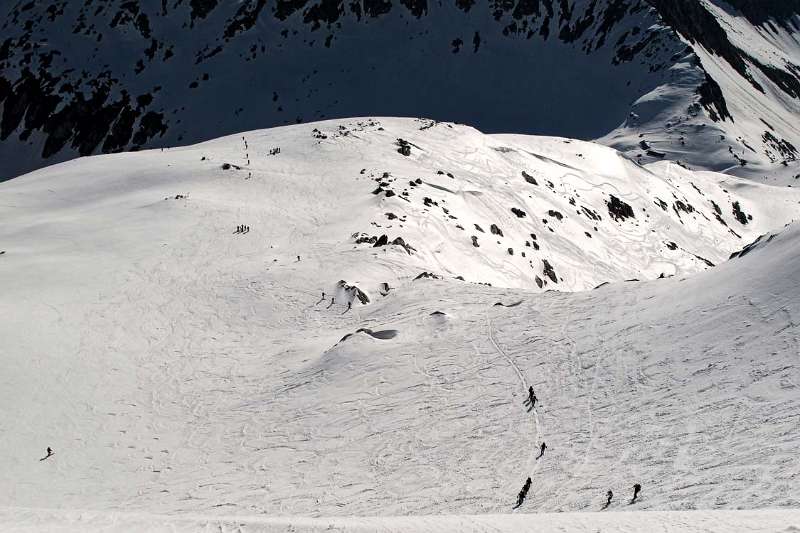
530	403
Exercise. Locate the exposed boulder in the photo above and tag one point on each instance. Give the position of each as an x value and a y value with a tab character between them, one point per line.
407	247
366	239
530	179
740	215
351	292
618	209
404	147
549	271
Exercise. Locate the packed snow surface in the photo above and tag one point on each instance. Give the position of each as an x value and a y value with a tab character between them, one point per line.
180	366
34	520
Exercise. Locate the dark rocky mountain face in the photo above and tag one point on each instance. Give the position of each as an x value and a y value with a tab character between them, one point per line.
760	11
78	78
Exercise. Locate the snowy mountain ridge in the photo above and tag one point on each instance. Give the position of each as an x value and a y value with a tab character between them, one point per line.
406	197
711	84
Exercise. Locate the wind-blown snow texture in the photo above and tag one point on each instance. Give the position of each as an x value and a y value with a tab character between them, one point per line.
179	367
694	80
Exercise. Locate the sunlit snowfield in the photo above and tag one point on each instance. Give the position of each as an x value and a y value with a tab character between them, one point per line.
185	374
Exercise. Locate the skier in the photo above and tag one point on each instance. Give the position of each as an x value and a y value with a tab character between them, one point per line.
542	448
524	492
323	295
349	305
636	489
609	495
532	397
298	258
49	454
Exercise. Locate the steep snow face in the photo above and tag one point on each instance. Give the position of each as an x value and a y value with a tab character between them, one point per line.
178	366
78	78
747	84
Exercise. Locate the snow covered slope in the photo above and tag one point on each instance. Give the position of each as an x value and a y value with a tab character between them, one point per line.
177	367
512	211
35	520
696	80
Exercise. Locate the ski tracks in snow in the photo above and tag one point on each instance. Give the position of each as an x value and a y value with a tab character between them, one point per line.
533	463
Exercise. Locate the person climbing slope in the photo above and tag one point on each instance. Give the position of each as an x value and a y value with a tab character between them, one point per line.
531	397
542	448
524	492
609	496
636	489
